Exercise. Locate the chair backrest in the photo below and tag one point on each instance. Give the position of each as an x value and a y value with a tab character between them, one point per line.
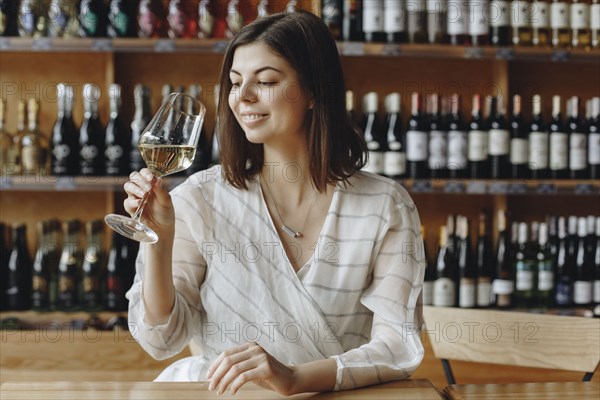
514	338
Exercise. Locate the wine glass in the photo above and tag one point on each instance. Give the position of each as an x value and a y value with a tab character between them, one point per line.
168	145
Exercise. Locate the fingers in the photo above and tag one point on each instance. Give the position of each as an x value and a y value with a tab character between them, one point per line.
241	369
223	355
225	366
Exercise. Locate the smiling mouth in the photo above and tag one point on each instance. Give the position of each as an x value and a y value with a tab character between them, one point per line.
252	117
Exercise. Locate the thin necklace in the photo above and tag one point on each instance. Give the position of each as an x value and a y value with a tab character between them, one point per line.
289	231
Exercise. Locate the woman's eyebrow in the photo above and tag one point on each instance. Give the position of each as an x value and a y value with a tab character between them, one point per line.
261	69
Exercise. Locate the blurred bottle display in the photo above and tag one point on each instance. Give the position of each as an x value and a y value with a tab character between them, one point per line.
18	287
65	136
62	18
93	18
92	269
69	268
8	18
183	20
151	19
117	137
8	155
32	18
122	18
34	144
91	134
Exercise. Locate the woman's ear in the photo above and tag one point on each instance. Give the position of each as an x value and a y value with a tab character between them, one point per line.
311	104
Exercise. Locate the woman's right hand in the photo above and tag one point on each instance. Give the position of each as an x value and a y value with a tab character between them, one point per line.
158	214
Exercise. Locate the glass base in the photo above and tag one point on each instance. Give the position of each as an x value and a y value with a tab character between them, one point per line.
131	228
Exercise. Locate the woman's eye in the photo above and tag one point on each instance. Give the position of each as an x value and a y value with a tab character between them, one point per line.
267	83
235	85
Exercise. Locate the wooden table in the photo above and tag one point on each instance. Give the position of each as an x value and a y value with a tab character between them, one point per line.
408	389
541	390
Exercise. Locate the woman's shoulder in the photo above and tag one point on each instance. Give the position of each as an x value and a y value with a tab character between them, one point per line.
205	181
368	184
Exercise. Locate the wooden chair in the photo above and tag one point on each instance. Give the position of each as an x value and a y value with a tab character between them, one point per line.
513	338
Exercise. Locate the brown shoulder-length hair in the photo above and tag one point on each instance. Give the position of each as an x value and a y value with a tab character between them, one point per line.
335	144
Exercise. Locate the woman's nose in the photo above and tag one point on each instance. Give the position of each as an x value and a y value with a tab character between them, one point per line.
250	92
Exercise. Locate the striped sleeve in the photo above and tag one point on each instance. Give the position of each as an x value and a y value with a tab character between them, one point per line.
395	349
189	267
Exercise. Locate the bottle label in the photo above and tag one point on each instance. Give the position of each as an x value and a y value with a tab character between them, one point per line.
595	16
524	279
416	146
444	292
564	293
478	18
114	152
499	142
594	148
484	292
33	158
331	12
394	17
478	146
519	11
545	278
518	151
437	150
39	284
582	292
597	291
417	17
457	150
466	293
538	150
88	19
375	162
373	16
120	23
89	153
3	18
502	287
580	16
427	293
559	151
540	15
577	151
61	152
27	17
499	14
394	163
559	15
457	17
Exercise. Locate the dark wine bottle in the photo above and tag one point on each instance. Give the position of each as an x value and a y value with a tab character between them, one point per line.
478	22
458	22
417	142
438	140
430	273
32	19
457	142
467	297
499	141
332	17
594	140
373	21
538	143
540	23
394	159
65	136
122	18
583	282
117	137
564	271
545	268
577	141
519	149
120	271
521	23
503	284
394	21
93	18
40	288
183	20
352	25
597	263
141	118
374	135
445	286
436	21
68	268
416	11
18	288
484	263
524	270
499	15
151	19
4	253
477	153
91	134
8	14
92	268
559	143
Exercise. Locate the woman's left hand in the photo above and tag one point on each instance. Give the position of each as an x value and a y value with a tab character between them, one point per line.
250	362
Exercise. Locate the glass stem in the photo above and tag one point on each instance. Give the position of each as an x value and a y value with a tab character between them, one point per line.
140	209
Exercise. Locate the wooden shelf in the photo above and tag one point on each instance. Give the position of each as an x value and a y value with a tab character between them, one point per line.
41	183
204	46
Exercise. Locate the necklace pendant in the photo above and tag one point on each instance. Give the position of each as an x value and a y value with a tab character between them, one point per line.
291	232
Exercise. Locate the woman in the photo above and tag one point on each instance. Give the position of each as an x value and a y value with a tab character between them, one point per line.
286	265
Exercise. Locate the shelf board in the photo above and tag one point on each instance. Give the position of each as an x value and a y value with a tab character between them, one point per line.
138	45
72	183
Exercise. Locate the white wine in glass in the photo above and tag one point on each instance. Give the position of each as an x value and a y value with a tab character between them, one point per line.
168	145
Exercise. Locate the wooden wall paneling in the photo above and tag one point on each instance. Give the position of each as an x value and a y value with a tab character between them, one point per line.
536	208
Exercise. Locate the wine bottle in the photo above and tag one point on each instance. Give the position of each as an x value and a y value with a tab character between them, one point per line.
503	285
477	153
580	24
68	268
430	273
577	141
183	20
62	18
519	146
457	142
122	16
467	286
597	263
373	21
18	288
436	21
32	18
120	270
416	141
499	141
438	140
560	34
117	137
8	14
499	15
524	270
394	158
540	23
151	19
54	251
141	118
93	18
262	11
538	143
521	23
8	155
4	254
350	109
235	19
594	140
564	268
394	21
352	24
545	268
91	134
332	17
34	145
65	136
478	22
40	288
373	134
595	24
484	264
583	285
590	239
416	11
559	143
206	19
458	22
92	268
445	285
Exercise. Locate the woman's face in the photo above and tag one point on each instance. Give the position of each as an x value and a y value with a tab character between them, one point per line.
266	97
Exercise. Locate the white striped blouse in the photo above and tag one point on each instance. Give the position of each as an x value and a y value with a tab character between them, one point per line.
357	300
